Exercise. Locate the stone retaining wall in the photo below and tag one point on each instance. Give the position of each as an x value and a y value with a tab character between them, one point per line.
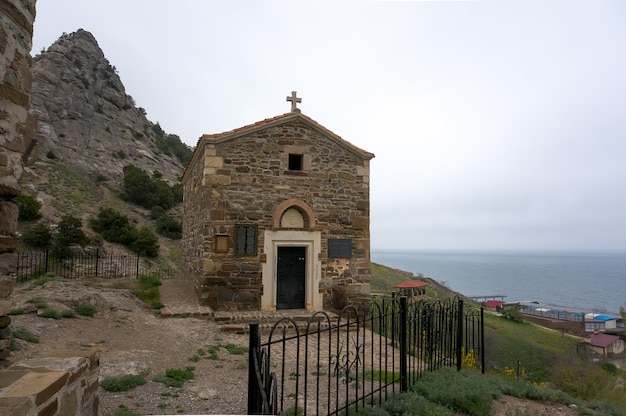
16	131
63	385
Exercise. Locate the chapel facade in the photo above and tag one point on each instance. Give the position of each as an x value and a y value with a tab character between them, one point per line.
276	216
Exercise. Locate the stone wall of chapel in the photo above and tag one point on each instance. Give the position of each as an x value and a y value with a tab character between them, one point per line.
244	179
195	239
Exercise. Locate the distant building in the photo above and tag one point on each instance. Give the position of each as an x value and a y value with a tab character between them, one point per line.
605	344
277	216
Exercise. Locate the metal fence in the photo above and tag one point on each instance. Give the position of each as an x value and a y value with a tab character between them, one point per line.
336	366
32	264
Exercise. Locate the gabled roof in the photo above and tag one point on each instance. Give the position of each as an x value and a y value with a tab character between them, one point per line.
276	121
602	340
411	284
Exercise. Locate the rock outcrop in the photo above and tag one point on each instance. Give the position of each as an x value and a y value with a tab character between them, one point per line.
86	120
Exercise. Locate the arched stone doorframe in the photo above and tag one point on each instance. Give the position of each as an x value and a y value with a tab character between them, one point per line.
279	237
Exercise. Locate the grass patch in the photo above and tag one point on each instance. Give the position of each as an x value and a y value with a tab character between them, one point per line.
25	335
235	349
122	383
85	309
447	392
16	311
68	313
38	301
50	313
175	377
124	411
149	291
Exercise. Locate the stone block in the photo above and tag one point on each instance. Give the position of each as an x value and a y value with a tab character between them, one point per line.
15	405
8	218
8	244
40	386
50	409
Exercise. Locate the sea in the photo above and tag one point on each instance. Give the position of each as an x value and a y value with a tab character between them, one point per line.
591	281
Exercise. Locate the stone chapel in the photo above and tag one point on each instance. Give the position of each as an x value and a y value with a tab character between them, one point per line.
277	216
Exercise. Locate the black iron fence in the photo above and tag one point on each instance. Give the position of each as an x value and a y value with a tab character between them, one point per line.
336	366
32	264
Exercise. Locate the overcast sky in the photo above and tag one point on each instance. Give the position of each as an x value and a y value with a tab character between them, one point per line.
495	124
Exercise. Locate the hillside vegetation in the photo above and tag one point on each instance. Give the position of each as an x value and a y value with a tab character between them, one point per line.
531	354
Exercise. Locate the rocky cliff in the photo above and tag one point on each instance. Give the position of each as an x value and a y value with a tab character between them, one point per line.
86	120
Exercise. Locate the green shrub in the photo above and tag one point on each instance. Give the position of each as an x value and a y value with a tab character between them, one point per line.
85	309
50	313
169	227
116	228
470	394
122	383
51	155
25	335
16	311
412	404
176	377
38	236
149	290
147	281
146	244
38	301
29	208
124	411
68	313
235	349
69	232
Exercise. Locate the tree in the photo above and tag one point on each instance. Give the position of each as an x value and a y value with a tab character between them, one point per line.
146	243
147	192
38	236
29	208
169	227
69	232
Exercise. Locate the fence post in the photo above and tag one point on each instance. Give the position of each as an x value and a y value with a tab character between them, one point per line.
404	383
97	260
459	342
46	262
482	340
137	270
254	402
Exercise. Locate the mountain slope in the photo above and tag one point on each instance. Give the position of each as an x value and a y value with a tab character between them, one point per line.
87	130
86	119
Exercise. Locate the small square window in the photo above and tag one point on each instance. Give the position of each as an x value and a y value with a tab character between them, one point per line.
295	161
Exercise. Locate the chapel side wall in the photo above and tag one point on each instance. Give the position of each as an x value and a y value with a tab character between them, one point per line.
195	205
250	178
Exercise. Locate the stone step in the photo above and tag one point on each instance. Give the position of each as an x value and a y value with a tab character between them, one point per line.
239	322
186	311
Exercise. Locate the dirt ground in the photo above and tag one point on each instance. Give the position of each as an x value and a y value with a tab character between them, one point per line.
131	339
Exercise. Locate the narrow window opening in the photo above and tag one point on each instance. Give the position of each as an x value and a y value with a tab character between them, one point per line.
295	162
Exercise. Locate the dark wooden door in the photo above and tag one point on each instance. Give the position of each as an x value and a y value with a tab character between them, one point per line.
291	278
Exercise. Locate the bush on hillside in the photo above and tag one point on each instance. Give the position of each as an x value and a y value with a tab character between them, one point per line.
169	227
115	227
145	191
69	232
29	208
38	236
146	243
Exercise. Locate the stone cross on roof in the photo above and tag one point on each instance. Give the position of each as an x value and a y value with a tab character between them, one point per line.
294	101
